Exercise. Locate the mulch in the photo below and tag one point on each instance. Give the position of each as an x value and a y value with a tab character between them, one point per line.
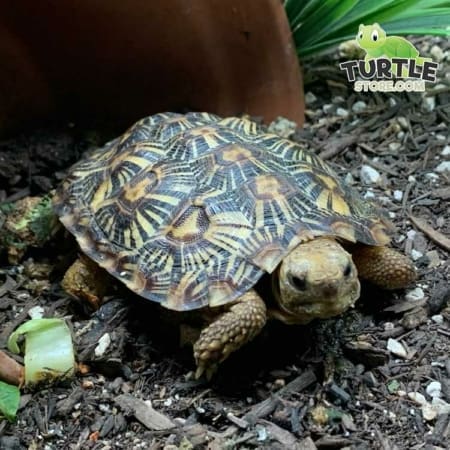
389	387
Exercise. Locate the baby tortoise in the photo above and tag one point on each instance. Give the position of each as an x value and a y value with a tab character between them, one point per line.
190	211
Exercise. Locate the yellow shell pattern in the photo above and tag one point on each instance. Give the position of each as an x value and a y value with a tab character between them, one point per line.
190	210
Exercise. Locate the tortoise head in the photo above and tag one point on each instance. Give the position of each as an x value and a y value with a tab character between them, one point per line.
317	279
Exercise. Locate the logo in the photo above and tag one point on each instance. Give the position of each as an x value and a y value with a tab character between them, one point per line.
391	64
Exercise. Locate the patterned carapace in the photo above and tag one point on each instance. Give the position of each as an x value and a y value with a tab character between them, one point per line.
190	210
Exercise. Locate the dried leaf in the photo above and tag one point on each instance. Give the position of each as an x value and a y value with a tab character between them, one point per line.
434	235
144	412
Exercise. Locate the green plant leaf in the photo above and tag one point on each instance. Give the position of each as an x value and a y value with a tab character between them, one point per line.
318	25
27	327
9	400
49	352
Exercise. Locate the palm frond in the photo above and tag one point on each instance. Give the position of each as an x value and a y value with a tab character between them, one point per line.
320	24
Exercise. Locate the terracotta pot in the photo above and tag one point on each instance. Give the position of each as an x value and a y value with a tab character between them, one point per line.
109	60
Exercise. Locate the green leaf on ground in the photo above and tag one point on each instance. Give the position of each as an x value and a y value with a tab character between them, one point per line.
9	400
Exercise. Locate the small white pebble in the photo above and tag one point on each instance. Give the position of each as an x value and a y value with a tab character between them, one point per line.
388	326
434	389
446	151
432	176
348	179
369	195
168	401
418	398
36	312
327	108
433	257
441	406
394	146
283	127
103	343
401	393
428	412
441	137
444	166
411	234
359	106
369	175
437	364
415	295
429	103
411	179
396	348
398	195
402	122
438	318
415	254
310	98
392	215
437	53
103	407
400	135
338	99
261	433
392	102
342	112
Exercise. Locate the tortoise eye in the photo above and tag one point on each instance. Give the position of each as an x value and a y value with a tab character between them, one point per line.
298	283
375	36
348	270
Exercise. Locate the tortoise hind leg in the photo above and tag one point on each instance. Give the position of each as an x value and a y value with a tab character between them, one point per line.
384	267
85	280
228	332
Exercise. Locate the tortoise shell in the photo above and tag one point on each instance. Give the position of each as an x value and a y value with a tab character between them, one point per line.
191	210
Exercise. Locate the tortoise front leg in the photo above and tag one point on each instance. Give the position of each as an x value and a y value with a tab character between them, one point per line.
384	267
228	332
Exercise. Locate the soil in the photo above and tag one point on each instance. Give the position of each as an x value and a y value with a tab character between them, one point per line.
352	382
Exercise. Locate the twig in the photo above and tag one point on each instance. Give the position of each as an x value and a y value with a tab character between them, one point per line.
434	235
337	145
265	407
11	371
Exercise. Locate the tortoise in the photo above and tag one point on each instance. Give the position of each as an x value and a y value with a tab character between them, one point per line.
191	210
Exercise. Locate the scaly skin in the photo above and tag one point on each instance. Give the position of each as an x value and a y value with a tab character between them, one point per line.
230	331
384	267
317	279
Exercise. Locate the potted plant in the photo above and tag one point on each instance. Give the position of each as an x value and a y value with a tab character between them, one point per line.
112	61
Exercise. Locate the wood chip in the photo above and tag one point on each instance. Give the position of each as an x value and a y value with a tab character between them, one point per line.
434	235
335	146
241	423
144	412
284	437
404	306
7	286
333	442
307	444
442	193
264	408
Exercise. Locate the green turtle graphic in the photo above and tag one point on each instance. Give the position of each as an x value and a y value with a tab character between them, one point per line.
373	39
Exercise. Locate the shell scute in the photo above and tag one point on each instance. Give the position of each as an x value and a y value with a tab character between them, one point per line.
190	210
